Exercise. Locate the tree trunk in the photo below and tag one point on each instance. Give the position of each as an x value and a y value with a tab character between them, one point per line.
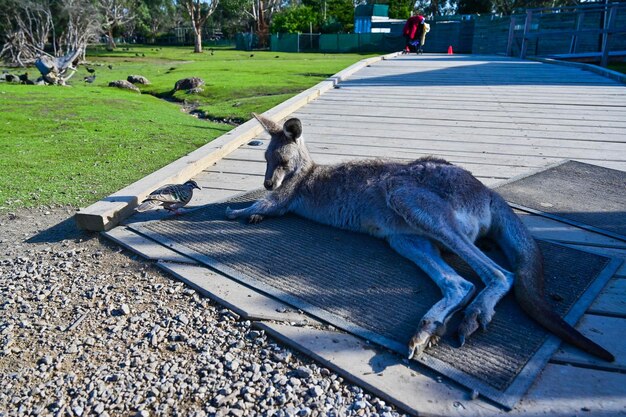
110	41
198	41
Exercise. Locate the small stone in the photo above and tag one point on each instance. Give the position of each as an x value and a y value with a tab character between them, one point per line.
125	309
253	334
99	408
316	391
304	372
182	317
359	405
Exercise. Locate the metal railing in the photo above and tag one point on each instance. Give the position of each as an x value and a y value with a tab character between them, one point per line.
605	30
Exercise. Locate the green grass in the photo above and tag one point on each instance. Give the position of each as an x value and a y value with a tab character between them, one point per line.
75	145
236	82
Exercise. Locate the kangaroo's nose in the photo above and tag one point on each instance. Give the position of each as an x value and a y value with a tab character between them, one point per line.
268	184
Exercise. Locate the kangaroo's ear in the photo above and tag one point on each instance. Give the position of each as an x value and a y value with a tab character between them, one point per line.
272	127
293	129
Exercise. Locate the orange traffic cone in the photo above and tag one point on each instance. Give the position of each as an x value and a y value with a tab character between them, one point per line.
450	50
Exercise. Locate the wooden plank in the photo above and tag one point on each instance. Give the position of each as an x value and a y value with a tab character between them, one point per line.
495	105
407	141
147	248
210	195
454	93
612	300
452	124
607	332
542	94
548	229
236	180
572	391
459	113
395	115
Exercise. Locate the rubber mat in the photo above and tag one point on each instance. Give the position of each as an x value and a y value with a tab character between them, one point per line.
584	195
359	284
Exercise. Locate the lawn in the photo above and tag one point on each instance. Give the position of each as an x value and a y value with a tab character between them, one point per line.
75	145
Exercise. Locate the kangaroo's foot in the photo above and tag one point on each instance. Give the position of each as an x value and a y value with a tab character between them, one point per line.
477	314
428	335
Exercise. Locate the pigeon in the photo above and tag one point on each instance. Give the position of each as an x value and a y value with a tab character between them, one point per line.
23	77
90	70
251	55
90	79
171	197
110	66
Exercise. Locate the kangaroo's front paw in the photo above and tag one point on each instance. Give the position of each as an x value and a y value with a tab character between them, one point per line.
255	218
427	336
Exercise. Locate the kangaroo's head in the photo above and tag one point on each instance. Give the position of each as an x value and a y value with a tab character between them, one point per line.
286	155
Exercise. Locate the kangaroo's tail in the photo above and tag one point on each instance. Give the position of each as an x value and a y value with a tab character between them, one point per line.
522	252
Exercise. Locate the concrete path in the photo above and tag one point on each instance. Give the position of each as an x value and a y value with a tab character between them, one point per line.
495	116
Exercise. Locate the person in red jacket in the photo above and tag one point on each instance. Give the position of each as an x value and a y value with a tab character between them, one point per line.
413	30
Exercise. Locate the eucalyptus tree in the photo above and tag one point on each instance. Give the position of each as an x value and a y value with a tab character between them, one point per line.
115	13
199	11
154	17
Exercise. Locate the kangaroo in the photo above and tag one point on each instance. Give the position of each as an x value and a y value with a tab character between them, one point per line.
420	208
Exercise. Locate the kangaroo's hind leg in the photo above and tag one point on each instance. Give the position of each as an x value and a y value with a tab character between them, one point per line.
456	290
433	217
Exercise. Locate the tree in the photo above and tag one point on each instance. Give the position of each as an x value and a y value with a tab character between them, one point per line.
400	9
340	11
474	6
261	12
114	13
232	16
294	20
153	16
199	11
29	24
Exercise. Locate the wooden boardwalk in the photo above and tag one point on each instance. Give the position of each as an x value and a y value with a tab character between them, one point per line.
498	118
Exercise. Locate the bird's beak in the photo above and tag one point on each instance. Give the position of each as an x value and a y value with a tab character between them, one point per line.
197	187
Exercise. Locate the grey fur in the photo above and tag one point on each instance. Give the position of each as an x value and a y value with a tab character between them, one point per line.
419	207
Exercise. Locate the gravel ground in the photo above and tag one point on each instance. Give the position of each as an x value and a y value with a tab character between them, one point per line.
89	329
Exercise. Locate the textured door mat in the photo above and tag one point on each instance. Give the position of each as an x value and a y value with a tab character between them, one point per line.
587	196
359	284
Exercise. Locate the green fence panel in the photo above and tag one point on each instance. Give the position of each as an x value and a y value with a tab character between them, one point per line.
347	42
329	43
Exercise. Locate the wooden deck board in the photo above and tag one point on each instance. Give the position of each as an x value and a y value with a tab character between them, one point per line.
498	117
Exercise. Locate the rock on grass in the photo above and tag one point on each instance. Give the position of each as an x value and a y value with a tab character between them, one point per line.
124	85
